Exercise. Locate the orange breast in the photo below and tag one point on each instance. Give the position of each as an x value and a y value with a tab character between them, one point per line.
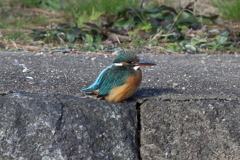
125	91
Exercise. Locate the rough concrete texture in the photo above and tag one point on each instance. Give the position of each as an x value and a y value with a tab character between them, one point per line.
186	108
61	127
201	129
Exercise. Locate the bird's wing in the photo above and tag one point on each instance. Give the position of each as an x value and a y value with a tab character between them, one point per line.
113	77
99	80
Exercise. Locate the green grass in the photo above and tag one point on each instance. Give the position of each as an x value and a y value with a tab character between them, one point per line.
44	4
105	6
28	3
16	22
82	11
18	35
16	26
20	22
230	10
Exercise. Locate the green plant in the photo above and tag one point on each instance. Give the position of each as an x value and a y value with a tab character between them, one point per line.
86	17
218	43
230	9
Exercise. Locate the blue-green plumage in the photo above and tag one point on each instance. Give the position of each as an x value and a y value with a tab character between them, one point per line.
113	77
109	78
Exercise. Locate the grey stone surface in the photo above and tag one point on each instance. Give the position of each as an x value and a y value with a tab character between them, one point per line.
194	77
187	76
61	127
186	108
194	130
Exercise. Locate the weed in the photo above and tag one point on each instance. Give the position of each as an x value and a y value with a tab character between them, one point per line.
230	9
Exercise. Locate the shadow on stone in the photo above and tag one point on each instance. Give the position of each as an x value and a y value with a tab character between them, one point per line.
150	92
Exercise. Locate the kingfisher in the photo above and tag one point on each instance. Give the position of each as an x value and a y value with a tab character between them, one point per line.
119	81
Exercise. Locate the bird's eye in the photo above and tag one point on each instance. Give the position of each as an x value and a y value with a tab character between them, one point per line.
134	62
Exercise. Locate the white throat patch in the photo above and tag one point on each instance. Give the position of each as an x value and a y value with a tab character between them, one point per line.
136	67
117	64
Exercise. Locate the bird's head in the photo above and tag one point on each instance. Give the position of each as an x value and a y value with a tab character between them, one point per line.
130	59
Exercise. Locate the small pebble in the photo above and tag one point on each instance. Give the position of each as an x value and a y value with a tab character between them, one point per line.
175	85
26	70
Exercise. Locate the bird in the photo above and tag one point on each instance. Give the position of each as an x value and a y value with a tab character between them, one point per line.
119	81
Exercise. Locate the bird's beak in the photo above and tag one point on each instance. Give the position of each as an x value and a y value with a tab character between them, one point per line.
143	63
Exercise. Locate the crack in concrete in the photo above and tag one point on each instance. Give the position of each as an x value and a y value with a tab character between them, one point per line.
138	130
59	121
139	127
